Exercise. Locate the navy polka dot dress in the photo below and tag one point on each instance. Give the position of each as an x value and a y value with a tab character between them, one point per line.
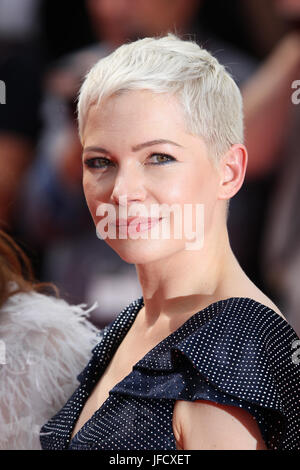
235	351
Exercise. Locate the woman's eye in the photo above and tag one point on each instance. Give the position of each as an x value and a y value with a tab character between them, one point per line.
161	158
98	162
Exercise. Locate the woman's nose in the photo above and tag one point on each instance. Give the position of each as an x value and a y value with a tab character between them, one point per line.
128	187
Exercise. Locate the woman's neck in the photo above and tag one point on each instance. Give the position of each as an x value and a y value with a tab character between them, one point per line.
188	281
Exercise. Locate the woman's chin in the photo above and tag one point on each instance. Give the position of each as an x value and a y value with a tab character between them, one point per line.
143	251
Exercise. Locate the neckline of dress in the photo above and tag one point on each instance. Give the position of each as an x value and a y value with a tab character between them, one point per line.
127	314
210	306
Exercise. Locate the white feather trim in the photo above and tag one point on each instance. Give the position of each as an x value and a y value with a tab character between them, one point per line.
47	344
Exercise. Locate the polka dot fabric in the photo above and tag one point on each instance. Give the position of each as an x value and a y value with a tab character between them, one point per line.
235	351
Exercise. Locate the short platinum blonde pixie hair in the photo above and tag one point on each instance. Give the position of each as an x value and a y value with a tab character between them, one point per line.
209	97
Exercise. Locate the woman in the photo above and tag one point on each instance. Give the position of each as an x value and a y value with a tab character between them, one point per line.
203	360
44	344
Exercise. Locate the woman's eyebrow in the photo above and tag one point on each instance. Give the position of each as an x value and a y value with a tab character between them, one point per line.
153	142
94	148
135	148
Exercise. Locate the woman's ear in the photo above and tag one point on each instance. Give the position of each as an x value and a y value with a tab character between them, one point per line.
232	170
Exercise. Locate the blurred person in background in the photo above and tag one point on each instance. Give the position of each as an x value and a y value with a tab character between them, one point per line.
273	26
281	242
44	344
21	68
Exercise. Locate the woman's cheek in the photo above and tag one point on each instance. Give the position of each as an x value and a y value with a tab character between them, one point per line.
90	193
176	191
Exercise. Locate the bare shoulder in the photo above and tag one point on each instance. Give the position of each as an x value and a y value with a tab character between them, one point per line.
244	287
240	285
260	297
206	425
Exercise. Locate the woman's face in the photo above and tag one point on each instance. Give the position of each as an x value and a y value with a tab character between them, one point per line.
125	164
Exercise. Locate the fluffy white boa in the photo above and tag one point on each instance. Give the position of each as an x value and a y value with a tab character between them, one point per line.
45	343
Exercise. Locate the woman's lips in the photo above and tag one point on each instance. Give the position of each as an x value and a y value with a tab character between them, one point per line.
137	224
136	220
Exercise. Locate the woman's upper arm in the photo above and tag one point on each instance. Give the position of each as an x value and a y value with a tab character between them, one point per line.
206	425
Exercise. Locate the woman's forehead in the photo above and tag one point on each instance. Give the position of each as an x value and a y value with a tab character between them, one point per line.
149	113
136	101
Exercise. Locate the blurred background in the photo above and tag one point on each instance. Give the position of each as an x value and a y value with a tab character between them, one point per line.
46	48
